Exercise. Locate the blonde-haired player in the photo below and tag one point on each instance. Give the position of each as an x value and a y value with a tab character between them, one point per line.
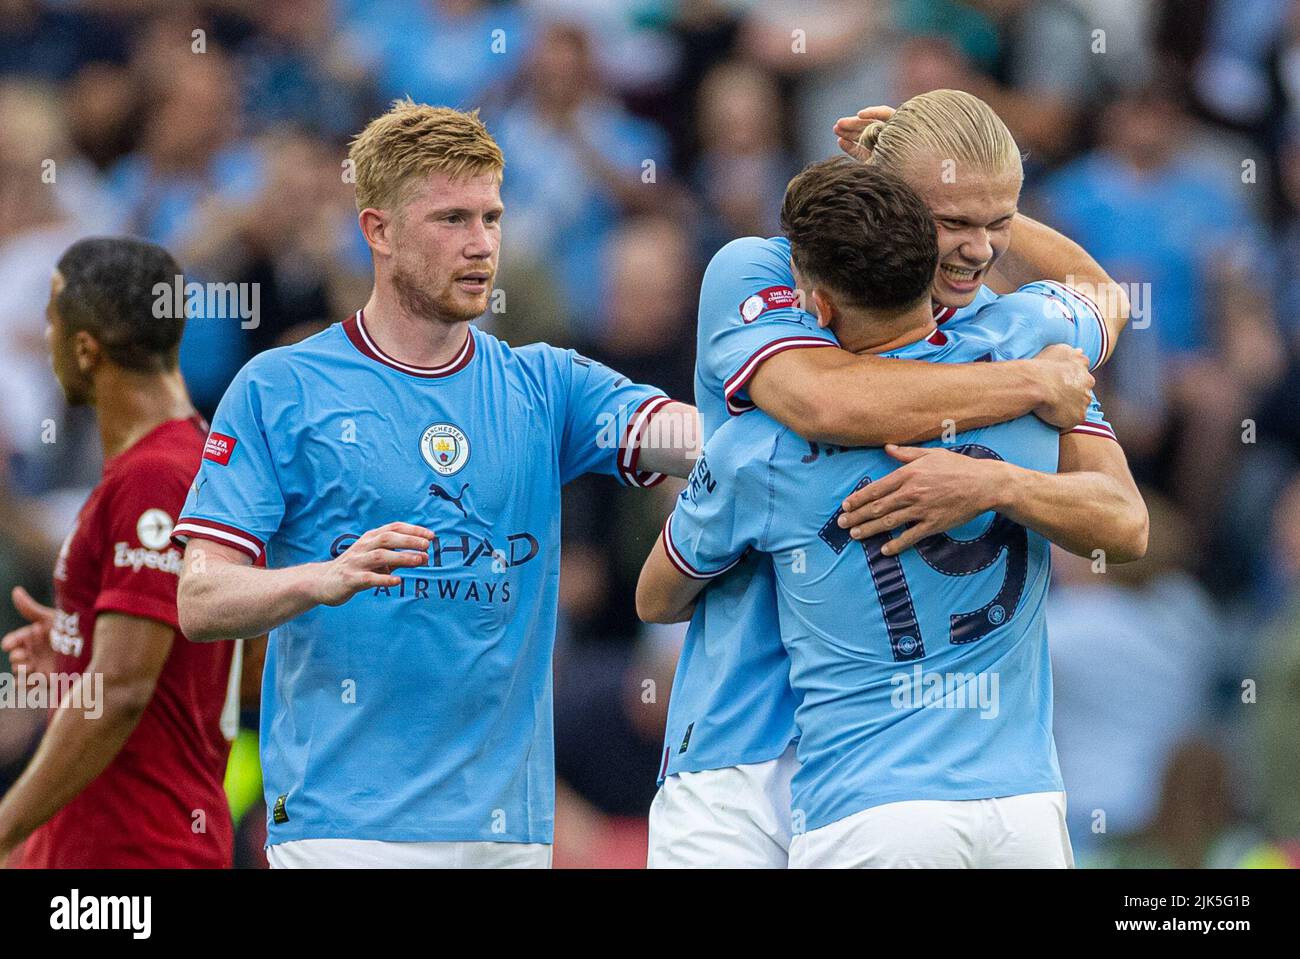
958	155
401	473
728	754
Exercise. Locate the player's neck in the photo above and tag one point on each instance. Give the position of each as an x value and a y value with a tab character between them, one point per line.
129	405
416	340
868	331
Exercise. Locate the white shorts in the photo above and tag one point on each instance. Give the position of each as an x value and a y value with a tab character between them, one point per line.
735	818
378	854
1014	832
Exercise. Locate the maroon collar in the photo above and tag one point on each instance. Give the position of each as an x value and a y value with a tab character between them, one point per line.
355	328
943	313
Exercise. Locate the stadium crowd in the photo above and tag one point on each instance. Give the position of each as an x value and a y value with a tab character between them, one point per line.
1163	135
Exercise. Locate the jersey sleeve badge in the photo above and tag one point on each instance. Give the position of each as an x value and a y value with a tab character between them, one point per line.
772	298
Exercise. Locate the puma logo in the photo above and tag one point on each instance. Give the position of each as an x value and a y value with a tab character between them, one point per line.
440	493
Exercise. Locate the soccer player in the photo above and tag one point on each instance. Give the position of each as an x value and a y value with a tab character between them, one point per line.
728	756
908	142
925	699
129	772
401	474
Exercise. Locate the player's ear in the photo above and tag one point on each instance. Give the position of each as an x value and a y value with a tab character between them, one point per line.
86	351
377	228
824	307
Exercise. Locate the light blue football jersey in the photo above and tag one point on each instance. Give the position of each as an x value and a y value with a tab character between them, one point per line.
731	700
923	676
421	712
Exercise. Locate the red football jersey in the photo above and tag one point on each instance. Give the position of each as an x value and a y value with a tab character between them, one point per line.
160	802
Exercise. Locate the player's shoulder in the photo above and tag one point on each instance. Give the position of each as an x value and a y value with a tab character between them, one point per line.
274	365
544	355
952	316
1010	324
174	441
984	296
747	442
537	359
758	247
545	370
771	254
162	463
748	278
535	354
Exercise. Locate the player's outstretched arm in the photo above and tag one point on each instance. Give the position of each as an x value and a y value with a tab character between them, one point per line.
223	596
1091	504
1037	252
834	396
663	593
91	725
671	443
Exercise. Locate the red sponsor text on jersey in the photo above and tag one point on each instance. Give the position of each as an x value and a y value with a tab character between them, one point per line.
772	298
219	447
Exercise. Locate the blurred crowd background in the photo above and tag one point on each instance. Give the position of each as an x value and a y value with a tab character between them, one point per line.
1164	135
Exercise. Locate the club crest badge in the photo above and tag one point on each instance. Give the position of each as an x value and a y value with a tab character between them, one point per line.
154	529
444	448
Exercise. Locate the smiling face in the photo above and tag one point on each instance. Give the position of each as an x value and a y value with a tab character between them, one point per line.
973	213
445	242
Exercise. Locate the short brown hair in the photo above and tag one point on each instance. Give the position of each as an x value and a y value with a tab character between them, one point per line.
862	232
410	141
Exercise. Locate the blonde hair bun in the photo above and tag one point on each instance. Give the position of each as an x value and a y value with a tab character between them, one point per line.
871	134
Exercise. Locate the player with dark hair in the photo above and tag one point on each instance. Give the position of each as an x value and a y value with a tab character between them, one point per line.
129	772
864	236
729	739
925	701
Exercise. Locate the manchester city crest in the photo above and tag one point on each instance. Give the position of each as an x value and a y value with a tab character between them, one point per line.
445	448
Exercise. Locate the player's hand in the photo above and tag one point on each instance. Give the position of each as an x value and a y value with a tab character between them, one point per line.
29	646
368	563
937	490
848	129
1063	372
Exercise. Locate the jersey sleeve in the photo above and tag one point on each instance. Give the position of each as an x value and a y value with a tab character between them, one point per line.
140	576
749	313
1067	316
718	517
1095	422
236	498
606	418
